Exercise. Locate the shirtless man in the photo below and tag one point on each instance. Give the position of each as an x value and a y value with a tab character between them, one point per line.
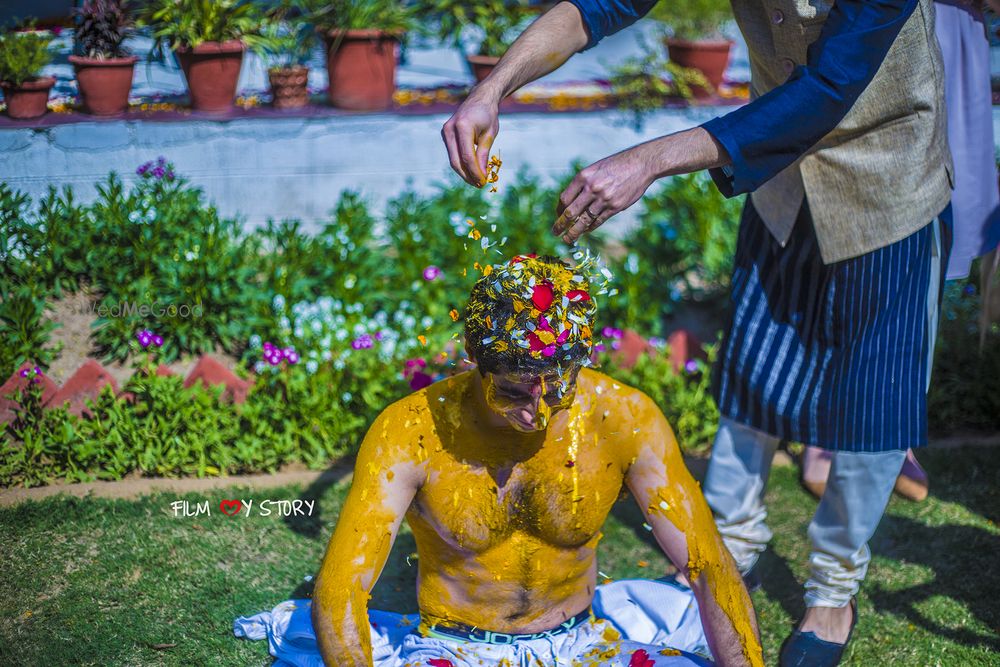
505	475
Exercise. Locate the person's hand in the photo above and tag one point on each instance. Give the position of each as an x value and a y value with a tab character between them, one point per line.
468	134
600	191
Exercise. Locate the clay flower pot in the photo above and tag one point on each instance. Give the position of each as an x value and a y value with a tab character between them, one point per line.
289	87
30	99
482	66
212	70
710	57
104	83
361	65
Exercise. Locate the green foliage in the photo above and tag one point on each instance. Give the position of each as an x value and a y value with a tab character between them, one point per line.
287	35
189	23
498	21
693	19
965	381
387	15
681	251
639	86
23	54
684	397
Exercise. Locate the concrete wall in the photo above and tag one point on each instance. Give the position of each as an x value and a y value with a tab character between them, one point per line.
296	168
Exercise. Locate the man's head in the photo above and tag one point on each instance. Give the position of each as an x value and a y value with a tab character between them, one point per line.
529	328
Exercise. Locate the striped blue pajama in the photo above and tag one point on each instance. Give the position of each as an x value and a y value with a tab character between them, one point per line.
833	355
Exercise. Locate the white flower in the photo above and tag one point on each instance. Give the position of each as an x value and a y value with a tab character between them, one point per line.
255	342
259	367
312	366
341	334
427	321
338	364
347	396
279	302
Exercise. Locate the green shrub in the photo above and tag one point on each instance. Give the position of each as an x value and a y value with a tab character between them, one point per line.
498	22
680	252
189	23
693	19
23	55
965	381
387	15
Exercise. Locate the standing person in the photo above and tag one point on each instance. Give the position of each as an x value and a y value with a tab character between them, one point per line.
965	52
845	154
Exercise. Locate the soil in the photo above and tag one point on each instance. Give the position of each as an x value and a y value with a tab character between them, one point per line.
74	314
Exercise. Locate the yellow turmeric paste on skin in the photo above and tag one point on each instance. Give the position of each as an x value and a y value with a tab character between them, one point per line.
506	523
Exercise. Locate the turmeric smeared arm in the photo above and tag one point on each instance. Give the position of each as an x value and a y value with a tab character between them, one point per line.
682	524
385	481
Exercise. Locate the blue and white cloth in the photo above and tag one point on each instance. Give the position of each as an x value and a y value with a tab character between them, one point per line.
657	617
833	355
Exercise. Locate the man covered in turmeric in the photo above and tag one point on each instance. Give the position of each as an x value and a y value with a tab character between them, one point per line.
505	474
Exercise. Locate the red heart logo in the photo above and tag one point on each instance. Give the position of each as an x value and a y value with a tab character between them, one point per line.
230	507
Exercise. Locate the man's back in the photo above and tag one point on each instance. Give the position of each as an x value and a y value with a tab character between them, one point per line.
507	523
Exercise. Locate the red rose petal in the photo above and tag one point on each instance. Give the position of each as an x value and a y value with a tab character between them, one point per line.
641	659
535	342
541	296
440	662
543	323
577	295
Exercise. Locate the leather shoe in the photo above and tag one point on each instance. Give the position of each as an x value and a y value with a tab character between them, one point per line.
805	649
751	579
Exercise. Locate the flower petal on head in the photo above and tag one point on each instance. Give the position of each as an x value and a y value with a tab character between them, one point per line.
578	295
541	295
535	343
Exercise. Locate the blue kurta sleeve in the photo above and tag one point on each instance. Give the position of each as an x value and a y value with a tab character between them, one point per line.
769	133
606	17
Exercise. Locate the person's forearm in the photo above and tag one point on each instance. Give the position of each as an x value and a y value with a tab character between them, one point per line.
343	637
547	43
725	641
682	153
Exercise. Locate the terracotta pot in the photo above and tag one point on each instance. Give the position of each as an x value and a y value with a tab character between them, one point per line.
482	66
104	84
212	70
361	65
30	99
710	57
289	87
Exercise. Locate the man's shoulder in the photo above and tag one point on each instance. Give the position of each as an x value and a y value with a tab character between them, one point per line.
435	399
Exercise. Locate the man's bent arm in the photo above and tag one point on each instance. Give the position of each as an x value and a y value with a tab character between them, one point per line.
542	48
385	482
682	524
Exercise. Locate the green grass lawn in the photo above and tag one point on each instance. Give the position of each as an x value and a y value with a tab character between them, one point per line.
114	582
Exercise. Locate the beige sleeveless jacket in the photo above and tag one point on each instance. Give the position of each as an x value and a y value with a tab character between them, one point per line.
885	171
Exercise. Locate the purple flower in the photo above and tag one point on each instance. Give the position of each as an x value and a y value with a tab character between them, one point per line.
362	342
615	345
599	347
691	366
379	335
431	272
145	337
141	171
158	341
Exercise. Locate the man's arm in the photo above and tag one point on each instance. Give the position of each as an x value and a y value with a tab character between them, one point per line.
547	43
768	134
682	524
385	481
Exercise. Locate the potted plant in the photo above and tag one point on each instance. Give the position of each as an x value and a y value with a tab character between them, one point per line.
287	40
23	54
362	38
209	38
696	39
644	84
498	21
103	67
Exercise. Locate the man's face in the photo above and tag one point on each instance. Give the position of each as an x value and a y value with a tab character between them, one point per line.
528	402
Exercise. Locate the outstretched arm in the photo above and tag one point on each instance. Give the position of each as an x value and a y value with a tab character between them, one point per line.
385	480
682	524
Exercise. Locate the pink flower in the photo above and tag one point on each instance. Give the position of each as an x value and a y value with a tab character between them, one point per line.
420	380
431	272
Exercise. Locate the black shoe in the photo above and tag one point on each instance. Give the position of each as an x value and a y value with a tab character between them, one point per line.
805	649
751	579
